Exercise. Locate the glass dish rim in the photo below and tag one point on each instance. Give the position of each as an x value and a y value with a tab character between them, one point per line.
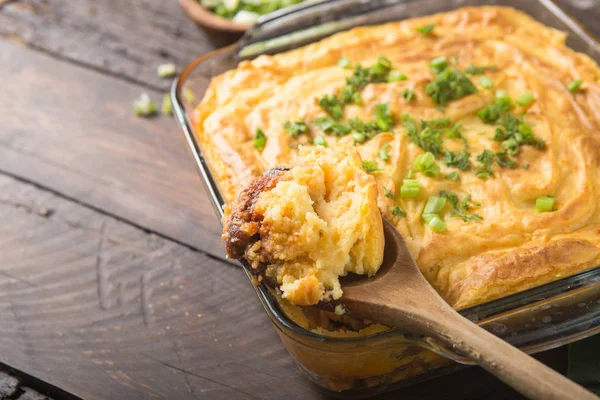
523	299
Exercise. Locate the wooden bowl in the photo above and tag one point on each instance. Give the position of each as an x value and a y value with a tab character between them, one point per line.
208	19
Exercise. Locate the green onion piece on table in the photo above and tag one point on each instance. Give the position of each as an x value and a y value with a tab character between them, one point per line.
143	106
166	70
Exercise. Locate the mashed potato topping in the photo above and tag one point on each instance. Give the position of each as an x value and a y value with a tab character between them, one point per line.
480	127
304	226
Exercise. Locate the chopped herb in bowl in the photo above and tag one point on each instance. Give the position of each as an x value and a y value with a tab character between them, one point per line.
245	12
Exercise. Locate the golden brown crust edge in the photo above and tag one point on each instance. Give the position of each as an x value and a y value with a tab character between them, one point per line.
522	269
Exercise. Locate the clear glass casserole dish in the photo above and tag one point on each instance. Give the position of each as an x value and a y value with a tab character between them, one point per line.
534	320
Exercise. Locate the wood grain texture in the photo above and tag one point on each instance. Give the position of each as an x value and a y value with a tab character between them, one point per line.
127	38
105	310
72	130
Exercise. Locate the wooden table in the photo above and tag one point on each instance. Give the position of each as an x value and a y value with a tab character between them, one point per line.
112	279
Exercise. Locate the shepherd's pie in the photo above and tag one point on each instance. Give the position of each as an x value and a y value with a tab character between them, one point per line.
480	128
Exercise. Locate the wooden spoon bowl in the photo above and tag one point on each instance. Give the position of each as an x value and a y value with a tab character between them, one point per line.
400	296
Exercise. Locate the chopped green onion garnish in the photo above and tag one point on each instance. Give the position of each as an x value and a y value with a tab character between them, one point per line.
294	128
435	204
383	117
332	106
166	70
383	152
575	85
525	166
435	223
473	70
260	140
333	127
409	191
397	212
486	162
486	82
525	99
359	137
427	217
410	188
544	203
408	94
426	29
388	193
460	160
166	108
396	76
448	85
438	64
425	163
320	141
144	106
453	176
370	166
344	62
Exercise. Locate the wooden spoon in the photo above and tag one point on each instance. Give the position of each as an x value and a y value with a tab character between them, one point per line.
399	296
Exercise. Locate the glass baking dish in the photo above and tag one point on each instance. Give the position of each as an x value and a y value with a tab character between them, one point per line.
538	319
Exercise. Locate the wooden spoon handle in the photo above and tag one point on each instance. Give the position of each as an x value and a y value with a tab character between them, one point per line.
517	369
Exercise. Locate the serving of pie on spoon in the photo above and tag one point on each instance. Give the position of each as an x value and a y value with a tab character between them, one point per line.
300	228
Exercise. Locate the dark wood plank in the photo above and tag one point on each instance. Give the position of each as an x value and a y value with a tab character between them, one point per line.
72	130
128	38
104	310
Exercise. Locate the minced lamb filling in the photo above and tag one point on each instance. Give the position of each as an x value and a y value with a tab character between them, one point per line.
302	227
